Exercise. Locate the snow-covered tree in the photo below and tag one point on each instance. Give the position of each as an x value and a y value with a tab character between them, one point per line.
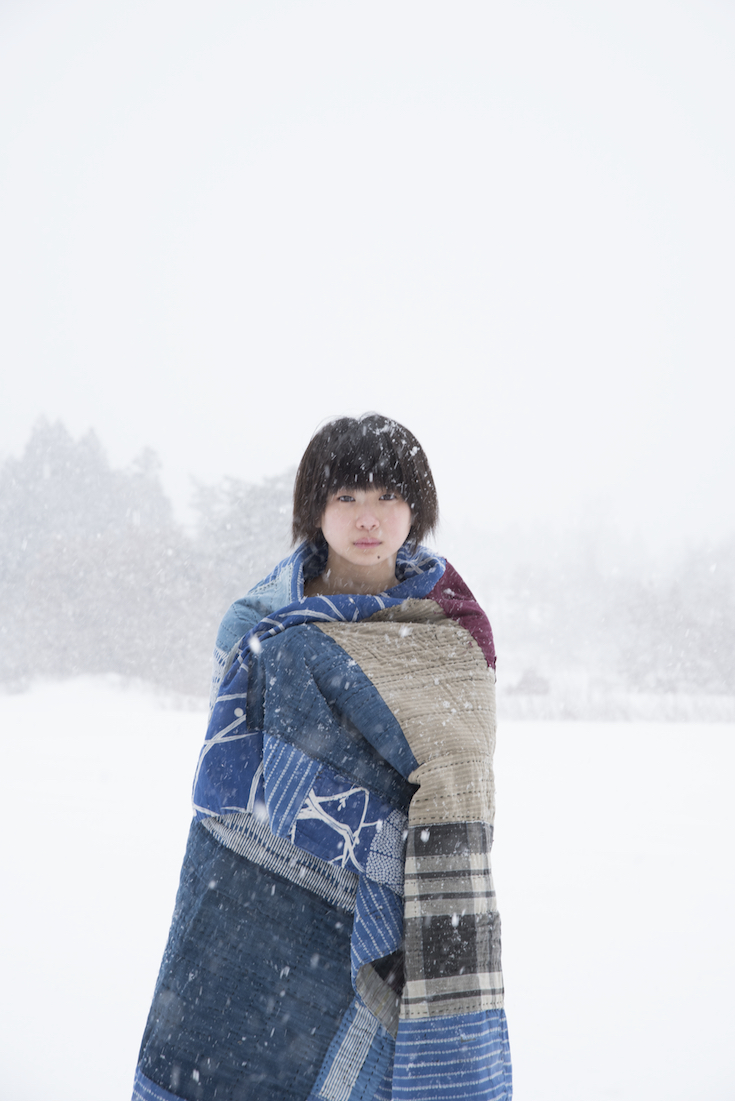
95	576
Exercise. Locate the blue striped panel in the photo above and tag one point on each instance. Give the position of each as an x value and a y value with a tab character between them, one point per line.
384	1092
378	925
289	775
463	1058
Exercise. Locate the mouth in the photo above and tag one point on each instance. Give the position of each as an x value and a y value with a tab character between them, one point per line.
367	543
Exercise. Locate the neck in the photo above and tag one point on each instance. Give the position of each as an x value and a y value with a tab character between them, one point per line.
344	577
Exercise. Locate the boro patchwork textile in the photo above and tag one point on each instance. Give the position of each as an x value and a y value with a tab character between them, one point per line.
336	935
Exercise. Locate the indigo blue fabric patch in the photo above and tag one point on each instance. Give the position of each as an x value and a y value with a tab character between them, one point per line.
339	822
254	983
236	780
145	1090
317	698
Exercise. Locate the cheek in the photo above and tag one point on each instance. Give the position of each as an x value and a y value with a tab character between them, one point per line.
330	523
406	521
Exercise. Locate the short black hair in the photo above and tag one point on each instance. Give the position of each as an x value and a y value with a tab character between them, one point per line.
363	452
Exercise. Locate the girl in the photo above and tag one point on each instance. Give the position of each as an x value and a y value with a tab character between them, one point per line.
335	935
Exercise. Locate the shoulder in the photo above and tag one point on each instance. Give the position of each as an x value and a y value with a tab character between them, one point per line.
283	586
263	599
456	600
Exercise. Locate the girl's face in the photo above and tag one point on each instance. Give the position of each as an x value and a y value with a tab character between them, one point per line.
366	527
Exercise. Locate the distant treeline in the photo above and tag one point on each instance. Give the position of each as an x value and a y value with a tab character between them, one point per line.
96	576
585	630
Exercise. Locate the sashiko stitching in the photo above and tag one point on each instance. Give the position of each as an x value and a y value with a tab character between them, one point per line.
349	753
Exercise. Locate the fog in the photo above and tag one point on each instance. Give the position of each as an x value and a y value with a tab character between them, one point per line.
509	226
97	575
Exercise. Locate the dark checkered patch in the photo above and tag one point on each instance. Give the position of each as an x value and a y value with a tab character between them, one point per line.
452	927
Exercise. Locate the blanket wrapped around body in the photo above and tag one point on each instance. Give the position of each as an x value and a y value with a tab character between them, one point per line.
336	935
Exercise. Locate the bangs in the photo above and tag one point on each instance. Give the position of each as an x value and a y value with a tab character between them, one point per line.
364	460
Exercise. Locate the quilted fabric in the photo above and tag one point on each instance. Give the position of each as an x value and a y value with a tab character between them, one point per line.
348	761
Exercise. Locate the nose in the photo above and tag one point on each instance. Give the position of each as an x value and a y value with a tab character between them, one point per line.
367	520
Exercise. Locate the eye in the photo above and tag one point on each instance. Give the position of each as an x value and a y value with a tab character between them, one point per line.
344	497
389	497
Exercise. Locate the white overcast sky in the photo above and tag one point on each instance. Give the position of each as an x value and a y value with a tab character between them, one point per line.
509	225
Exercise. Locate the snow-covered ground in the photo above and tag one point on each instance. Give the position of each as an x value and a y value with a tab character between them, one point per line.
613	864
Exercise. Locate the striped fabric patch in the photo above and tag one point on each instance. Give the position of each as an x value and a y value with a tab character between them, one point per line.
351	1057
355	1061
246	835
289	775
376	934
427	1065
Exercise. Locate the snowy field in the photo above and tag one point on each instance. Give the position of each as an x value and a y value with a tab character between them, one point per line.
613	864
